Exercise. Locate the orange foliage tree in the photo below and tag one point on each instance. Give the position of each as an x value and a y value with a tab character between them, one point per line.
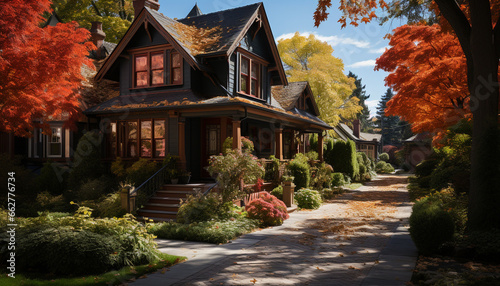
40	68
428	71
476	24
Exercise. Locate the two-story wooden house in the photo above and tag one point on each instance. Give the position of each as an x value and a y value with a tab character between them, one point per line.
188	84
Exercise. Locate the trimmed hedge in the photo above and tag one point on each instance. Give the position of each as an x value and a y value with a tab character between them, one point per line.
343	157
308	199
300	170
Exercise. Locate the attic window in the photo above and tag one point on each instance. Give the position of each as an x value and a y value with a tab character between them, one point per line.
157	68
250	77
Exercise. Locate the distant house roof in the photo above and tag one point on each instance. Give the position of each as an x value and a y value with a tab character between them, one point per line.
231	26
420	137
52	20
345	132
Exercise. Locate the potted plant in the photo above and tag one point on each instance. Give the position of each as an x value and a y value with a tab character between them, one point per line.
185	177
288	180
174	176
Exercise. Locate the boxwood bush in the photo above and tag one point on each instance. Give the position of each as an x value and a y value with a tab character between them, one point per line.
278	192
337	179
299	168
308	199
430	225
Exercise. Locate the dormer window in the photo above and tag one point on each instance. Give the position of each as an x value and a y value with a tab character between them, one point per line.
250	77
157	68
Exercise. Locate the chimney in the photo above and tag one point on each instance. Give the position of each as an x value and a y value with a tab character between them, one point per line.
151	4
98	35
356	127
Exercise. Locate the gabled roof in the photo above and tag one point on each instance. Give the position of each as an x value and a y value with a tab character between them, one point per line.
195	11
232	26
287	96
345	132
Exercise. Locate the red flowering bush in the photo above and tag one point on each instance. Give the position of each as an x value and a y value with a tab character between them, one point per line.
268	209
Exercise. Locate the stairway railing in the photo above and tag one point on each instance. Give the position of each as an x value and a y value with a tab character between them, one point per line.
147	189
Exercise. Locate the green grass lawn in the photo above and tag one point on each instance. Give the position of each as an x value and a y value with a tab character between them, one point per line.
110	278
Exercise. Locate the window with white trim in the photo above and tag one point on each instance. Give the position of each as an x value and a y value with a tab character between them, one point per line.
54	143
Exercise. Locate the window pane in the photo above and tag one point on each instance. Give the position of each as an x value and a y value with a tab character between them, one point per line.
244	65
254	87
176	60
132	130
145	129
255	70
112	140
157	61
132	148
176	76
141	79
160	148
145	148
244	83
157	77
141	63
56	135
159	128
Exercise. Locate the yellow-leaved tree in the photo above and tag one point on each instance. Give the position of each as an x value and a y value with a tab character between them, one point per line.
309	59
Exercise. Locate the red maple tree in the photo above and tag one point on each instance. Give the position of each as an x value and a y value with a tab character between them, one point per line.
40	68
428	71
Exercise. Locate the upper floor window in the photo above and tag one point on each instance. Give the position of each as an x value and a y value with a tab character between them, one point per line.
250	77
152	68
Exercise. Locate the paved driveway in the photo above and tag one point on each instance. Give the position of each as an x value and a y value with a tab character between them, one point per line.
360	238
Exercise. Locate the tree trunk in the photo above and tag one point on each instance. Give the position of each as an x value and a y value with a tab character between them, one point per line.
484	194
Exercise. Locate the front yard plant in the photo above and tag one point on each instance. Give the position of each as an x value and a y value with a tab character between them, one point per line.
268	209
308	199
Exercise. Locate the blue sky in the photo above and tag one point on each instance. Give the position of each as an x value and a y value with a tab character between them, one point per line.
358	47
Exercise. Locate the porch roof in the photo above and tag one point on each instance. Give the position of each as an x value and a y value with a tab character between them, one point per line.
189	101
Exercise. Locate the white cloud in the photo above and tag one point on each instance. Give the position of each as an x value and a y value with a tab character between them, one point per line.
367	63
372	105
378	51
331	40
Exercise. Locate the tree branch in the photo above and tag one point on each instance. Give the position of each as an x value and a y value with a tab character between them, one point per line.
452	13
98	13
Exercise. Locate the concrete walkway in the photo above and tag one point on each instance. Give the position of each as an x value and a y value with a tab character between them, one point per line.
360	238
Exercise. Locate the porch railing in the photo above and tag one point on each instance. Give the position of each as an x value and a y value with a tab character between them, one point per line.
147	189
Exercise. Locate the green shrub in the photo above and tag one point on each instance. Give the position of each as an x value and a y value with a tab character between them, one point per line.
87	163
343	158
268	209
313	141
81	244
48	202
328	194
118	169
208	231
61	250
383	157
312	156
299	168
233	168
278	192
308	199
486	244
96	188
140	171
198	208
322	176
246	145
273	170
52	179
109	206
337	180
26	189
430	225
384	168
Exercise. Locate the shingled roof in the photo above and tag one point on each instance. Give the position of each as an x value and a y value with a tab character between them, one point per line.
288	95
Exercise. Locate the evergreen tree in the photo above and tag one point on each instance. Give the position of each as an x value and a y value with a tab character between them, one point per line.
360	93
389	125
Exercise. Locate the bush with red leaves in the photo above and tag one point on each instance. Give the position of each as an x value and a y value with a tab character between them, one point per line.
268	209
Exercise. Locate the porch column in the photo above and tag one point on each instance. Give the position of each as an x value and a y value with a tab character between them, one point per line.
302	145
320	146
278	134
237	134
182	142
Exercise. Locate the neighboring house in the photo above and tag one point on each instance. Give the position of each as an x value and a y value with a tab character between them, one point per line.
417	148
367	143
186	85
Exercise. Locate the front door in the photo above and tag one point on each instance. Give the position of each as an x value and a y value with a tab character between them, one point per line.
210	142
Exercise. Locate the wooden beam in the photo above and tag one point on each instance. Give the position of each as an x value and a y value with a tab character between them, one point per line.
237	134
279	143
